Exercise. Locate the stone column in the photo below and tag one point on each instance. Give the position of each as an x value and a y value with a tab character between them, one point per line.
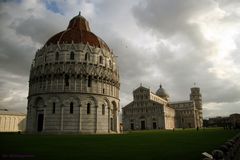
45	84
164	119
96	119
75	83
80	127
63	82
44	118
61	120
109	123
51	82
117	121
56	88
80	83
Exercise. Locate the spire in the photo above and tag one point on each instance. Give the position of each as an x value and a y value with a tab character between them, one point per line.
160	85
79	14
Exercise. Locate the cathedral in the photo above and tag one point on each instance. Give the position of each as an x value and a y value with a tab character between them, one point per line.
150	110
74	84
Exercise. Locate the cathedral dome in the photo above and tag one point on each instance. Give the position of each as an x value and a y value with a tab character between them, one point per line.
162	93
78	31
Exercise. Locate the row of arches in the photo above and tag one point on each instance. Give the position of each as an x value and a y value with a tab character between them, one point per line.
143	123
77	70
87	58
39	102
70	83
88	114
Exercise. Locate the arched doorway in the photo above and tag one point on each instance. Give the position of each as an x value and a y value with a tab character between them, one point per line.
39	103
142	123
154	123
40	122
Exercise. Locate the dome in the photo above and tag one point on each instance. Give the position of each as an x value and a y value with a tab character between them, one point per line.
78	31
162	93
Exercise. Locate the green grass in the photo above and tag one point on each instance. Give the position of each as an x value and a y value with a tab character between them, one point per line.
181	144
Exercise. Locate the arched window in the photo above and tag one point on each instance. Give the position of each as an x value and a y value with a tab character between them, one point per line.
71	107
101	60
57	56
54	107
110	63
90	81
66	80
103	109
87	56
88	108
72	56
40	82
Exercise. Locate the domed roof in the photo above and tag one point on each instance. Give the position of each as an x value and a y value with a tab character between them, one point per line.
161	92
78	31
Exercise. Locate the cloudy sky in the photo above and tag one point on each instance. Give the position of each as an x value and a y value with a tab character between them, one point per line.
173	42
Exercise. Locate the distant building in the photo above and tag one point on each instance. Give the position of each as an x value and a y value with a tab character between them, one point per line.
150	110
74	84
234	119
230	122
12	121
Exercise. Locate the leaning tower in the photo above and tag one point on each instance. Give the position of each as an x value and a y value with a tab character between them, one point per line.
196	96
74	84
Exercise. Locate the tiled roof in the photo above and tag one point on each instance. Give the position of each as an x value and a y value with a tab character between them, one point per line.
78	31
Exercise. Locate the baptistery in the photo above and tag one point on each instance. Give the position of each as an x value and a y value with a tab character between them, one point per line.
74	84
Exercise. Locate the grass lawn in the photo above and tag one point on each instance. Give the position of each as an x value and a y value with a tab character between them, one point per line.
180	144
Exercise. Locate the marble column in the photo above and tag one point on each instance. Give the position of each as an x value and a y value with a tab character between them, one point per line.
109	123
80	127
61	120
96	119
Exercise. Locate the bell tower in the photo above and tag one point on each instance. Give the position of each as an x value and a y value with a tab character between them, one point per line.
196	96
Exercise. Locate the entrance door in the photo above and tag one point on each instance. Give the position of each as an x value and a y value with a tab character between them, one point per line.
40	122
154	125
132	126
143	125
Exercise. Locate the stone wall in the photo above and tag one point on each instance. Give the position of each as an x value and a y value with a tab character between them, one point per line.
96	120
12	123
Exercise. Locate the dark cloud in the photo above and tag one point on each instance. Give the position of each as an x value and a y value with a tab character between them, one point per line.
186	65
39	29
169	16
156	41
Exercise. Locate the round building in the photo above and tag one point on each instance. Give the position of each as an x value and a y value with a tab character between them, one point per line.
74	84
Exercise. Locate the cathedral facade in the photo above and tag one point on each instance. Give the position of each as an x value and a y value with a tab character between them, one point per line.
150	110
74	84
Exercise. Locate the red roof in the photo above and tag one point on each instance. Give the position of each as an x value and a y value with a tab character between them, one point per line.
78	31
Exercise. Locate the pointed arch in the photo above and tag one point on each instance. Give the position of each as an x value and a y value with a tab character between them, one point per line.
57	56
100	59
76	101
72	55
66	80
39	102
87	56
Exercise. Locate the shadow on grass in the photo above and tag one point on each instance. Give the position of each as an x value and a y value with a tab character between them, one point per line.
157	144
